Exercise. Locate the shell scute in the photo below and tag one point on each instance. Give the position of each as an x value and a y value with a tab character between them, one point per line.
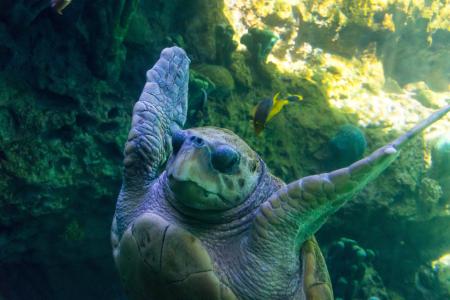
149	231
183	255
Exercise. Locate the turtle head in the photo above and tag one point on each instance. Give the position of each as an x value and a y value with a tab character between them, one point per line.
211	169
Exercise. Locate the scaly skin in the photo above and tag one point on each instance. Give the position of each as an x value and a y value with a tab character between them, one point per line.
303	206
298	210
216	224
161	109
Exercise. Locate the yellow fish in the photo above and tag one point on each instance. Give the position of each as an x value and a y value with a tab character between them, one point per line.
268	108
59	5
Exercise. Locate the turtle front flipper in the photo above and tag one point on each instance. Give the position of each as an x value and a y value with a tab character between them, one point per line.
316	281
160	110
296	211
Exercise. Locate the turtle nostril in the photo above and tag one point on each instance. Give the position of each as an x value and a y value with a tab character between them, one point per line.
197	141
178	138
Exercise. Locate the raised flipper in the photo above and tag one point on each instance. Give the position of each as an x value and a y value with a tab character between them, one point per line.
316	281
160	110
296	211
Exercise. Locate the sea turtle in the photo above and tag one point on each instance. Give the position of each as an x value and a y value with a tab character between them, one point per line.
199	215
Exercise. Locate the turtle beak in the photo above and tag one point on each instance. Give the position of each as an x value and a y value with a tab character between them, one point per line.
192	161
191	178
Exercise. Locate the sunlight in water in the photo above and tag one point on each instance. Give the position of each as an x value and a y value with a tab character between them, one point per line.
356	85
443	260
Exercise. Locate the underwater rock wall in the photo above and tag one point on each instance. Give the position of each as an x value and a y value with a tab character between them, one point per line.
61	150
65	103
411	37
68	84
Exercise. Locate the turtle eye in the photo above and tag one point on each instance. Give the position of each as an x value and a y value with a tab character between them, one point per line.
225	159
178	138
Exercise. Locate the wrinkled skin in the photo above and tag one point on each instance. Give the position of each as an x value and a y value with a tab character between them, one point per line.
199	215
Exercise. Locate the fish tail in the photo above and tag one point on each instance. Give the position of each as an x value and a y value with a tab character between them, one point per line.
295	97
275	97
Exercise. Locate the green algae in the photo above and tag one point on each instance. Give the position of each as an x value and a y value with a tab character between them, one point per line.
259	43
347	146
219	76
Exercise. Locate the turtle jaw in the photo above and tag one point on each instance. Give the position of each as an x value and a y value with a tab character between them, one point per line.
193	182
190	194
232	219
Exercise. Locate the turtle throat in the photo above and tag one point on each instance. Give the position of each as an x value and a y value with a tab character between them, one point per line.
232	217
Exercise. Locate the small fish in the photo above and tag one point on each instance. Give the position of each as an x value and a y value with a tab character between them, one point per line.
268	108
59	5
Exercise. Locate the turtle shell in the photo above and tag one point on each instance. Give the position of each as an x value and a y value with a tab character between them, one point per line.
159	260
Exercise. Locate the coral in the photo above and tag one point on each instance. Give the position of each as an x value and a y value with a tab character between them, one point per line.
200	21
409	56
443	276
259	43
219	76
429	194
440	167
225	45
347	146
197	83
139	31
440	156
423	94
433	282
411	37
199	89
108	26
240	70
445	186
391	86
352	272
